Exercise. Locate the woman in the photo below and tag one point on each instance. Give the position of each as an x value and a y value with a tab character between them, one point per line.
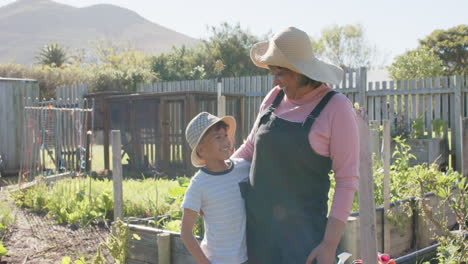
303	131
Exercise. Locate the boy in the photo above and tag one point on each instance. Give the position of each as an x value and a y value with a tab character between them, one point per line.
214	192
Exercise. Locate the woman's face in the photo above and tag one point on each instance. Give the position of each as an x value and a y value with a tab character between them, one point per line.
286	79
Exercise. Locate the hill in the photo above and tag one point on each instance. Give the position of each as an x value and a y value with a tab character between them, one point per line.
28	25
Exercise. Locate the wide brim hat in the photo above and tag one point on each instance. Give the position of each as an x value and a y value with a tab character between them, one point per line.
198	126
292	48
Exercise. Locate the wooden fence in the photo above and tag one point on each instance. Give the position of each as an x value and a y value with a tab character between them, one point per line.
401	102
12	94
73	93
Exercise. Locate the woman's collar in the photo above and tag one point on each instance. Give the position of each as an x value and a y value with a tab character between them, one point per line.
310	96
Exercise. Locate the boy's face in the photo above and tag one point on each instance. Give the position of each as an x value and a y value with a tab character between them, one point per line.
215	145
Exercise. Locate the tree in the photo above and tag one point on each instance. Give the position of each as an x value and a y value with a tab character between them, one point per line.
53	55
120	69
345	46
228	44
420	63
451	46
231	45
180	64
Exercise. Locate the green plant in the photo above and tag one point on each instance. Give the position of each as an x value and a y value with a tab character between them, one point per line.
117	245
83	201
438	126
117	242
53	55
452	189
3	251
418	128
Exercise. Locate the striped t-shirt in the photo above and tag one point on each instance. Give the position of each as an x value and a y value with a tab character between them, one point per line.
218	196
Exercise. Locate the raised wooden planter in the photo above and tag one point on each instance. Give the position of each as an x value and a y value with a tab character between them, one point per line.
432	150
412	234
157	247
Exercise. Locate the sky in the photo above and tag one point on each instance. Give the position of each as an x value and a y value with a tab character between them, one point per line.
393	26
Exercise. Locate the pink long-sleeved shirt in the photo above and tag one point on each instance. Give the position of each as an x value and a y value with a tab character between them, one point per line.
334	134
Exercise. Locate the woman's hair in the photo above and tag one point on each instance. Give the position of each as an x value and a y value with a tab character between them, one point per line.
303	80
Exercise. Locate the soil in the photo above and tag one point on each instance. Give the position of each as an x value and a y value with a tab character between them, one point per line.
36	238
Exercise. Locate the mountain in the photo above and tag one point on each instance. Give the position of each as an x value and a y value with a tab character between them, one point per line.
28	25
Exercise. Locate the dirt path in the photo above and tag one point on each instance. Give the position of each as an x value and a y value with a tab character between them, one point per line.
38	239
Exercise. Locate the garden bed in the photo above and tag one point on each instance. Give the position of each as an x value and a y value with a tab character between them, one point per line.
408	233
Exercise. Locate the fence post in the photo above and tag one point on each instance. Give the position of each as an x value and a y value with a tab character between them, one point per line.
375	139
117	174
386	183
221	100
457	136
164	248
465	146
362	87
366	195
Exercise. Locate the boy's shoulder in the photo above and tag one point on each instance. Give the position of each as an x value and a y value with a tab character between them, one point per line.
240	163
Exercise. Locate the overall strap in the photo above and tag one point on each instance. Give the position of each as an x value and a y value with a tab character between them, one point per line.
267	112
277	101
310	119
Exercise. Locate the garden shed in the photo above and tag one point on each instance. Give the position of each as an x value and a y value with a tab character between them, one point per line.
153	126
12	101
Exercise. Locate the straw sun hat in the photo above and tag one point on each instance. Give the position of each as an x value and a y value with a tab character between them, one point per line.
198	127
291	48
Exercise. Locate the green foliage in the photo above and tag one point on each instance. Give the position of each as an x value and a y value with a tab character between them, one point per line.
451	46
53	55
418	128
181	64
119	69
438	126
3	251
111	69
451	187
6	217
420	63
345	46
414	183
227	44
116	244
69	201
47	76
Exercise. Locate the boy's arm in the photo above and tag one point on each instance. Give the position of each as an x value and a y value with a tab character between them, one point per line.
188	221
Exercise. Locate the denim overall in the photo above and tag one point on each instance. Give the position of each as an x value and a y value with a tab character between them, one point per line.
287	193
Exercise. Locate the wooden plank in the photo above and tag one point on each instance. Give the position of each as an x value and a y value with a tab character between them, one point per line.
391	108
414	104
465	146
4	91
370	104
437	99
429	104
378	105
249	107
164	248
384	102
386	183
457	117
400	114
421	103
117	175
445	106
368	241
374	133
